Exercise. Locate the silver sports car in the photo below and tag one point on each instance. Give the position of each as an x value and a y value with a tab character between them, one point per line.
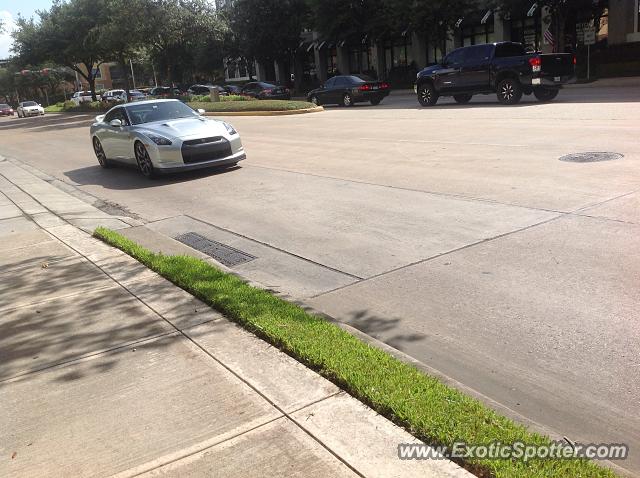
162	136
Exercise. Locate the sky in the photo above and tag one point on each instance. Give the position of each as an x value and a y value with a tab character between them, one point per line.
9	10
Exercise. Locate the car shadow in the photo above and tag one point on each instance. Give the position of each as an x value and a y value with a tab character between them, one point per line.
127	177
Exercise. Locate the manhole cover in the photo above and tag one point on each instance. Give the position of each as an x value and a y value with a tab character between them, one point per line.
591	157
221	252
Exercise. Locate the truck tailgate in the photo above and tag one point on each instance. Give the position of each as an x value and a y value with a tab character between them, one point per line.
557	64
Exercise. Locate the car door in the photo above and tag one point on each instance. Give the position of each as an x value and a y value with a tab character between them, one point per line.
448	79
250	89
114	138
475	70
122	147
324	94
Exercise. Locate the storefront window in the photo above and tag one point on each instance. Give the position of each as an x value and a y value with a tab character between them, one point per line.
527	32
332	61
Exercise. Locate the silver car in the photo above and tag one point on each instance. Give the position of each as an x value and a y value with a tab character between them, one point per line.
29	108
163	136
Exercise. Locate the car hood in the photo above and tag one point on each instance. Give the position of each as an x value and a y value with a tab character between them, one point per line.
186	128
431	69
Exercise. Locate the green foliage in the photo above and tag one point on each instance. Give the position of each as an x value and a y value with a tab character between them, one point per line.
432	411
257	105
252	25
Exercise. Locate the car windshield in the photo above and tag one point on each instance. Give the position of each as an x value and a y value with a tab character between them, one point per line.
29	103
161	111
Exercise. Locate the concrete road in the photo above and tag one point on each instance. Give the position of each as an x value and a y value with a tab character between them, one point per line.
452	233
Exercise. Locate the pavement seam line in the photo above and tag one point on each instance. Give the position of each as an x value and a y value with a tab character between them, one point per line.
87	356
243	380
401	188
437	256
311	261
279	409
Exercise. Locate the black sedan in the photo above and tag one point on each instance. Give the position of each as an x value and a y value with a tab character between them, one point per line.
206	90
265	91
349	89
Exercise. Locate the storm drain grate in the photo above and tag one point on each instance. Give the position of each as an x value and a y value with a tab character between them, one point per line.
591	157
222	253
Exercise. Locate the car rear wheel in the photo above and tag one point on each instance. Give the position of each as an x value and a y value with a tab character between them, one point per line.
100	154
347	100
144	161
376	101
509	91
462	99
545	94
427	95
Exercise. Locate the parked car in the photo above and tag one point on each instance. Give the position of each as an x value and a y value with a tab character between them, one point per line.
29	108
206	90
232	89
162	136
349	89
164	92
114	96
504	69
265	91
83	97
5	110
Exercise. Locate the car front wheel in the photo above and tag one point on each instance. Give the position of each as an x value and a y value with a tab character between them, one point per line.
427	95
314	99
509	91
144	161
100	154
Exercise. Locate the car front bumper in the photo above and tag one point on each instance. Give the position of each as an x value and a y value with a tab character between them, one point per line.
214	163
32	112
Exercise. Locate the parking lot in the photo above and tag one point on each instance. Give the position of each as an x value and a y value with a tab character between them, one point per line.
455	234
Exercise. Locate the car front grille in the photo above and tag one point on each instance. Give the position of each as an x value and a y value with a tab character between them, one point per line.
205	149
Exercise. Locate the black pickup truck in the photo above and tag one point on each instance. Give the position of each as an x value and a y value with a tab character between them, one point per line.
503	68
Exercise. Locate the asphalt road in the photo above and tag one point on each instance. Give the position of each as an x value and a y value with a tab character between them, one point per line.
453	233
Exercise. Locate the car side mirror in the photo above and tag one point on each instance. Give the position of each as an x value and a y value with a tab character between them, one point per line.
201	112
116	123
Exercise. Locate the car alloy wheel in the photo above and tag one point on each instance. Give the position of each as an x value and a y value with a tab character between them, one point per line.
314	100
427	95
102	157
509	91
347	100
144	161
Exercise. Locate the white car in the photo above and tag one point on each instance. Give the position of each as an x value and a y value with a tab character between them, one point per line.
29	108
164	136
83	97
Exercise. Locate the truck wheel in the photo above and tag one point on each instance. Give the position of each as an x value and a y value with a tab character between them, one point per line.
509	91
545	94
462	99
427	95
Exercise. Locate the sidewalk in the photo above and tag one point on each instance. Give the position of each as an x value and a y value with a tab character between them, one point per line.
110	370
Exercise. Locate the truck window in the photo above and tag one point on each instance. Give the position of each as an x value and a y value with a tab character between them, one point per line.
505	50
478	53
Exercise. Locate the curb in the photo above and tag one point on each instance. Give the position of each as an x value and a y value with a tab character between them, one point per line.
317	109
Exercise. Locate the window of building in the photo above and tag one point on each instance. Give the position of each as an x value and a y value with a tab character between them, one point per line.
332	61
360	59
477	34
527	31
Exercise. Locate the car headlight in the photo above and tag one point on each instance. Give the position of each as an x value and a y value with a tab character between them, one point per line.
230	129
156	138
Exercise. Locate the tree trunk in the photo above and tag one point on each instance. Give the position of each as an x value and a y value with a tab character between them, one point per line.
126	77
92	86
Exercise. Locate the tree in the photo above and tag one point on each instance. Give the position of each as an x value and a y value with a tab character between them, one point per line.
68	34
177	32
252	24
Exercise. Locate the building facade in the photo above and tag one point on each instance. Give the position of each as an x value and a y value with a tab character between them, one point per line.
397	59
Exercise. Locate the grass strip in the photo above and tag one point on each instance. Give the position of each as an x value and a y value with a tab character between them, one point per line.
428	409
57	108
258	105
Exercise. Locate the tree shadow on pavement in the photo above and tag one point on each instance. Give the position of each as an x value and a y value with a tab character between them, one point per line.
66	311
